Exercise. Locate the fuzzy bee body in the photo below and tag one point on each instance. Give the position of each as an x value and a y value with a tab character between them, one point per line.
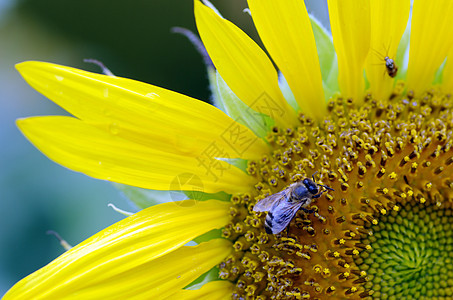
283	206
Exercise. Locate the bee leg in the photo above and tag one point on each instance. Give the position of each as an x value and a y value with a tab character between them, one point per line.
308	211
313	176
322	192
327	187
319	195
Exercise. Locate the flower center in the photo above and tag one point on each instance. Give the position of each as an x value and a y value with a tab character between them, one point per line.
386	160
411	253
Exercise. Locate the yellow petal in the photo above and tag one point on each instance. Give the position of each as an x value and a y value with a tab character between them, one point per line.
243	65
159	278
132	255
350	23
104	155
142	113
388	22
212	290
285	29
431	39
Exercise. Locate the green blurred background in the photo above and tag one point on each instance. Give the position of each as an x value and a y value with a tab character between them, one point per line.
133	39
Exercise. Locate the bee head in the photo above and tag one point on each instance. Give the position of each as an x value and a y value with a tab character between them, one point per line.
311	186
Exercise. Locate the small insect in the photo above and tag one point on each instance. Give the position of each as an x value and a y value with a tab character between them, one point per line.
391	67
282	206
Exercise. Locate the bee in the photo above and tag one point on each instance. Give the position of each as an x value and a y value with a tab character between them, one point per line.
282	206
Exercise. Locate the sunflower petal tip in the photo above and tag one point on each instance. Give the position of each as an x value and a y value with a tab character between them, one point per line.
19	65
211	6
199	4
23	66
21	122
30	63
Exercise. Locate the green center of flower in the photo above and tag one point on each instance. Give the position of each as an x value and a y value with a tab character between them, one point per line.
382	229
411	253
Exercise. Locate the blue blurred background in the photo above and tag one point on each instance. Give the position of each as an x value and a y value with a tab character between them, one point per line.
133	39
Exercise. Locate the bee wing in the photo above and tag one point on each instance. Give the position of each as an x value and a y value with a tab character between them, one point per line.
267	203
281	214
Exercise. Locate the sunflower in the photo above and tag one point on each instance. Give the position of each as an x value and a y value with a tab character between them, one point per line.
367	118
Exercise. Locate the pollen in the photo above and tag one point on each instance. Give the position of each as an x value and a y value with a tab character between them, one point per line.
383	232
